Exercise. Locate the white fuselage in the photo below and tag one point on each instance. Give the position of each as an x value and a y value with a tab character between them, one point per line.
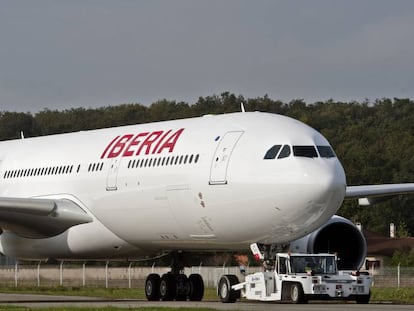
191	184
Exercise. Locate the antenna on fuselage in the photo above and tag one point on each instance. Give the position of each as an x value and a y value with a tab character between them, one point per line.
21	135
242	107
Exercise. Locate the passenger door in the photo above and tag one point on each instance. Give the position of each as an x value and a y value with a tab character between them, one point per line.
221	158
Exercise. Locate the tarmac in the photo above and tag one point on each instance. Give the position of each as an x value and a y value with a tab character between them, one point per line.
45	301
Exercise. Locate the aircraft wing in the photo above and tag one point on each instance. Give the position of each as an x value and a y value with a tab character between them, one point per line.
40	218
371	194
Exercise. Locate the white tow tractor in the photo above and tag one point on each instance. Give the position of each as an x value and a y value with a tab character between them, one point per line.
299	278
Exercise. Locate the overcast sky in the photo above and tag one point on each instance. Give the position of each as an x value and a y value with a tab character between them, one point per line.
79	53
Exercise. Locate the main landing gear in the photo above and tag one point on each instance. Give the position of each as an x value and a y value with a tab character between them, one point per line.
174	285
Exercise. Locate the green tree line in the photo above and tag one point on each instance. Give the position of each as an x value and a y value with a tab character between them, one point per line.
373	140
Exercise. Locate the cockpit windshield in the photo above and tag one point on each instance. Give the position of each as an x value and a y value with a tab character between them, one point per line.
285	152
326	152
272	152
280	152
305	151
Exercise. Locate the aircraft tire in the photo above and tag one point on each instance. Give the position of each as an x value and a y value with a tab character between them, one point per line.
152	287
196	284
182	287
168	287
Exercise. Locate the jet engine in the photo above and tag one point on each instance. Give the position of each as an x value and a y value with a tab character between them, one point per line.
339	235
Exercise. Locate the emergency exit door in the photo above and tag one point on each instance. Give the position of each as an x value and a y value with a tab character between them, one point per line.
221	158
112	177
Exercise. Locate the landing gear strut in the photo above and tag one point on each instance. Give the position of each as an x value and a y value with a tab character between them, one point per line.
174	285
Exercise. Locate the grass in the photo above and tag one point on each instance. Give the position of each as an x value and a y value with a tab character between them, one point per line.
110	293
395	295
17	308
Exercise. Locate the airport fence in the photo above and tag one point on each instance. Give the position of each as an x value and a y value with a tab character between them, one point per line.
394	277
133	276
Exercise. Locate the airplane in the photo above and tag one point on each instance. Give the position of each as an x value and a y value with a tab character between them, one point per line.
210	183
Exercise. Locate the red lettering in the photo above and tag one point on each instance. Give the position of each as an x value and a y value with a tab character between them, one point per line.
130	144
107	147
171	141
128	152
119	146
148	142
160	141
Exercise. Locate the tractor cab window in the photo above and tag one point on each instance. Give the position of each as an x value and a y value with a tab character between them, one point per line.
282	265
313	264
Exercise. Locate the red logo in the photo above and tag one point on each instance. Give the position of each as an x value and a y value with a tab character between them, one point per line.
143	143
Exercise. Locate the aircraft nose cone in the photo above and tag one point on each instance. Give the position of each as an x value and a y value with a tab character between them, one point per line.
324	184
325	176
308	196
